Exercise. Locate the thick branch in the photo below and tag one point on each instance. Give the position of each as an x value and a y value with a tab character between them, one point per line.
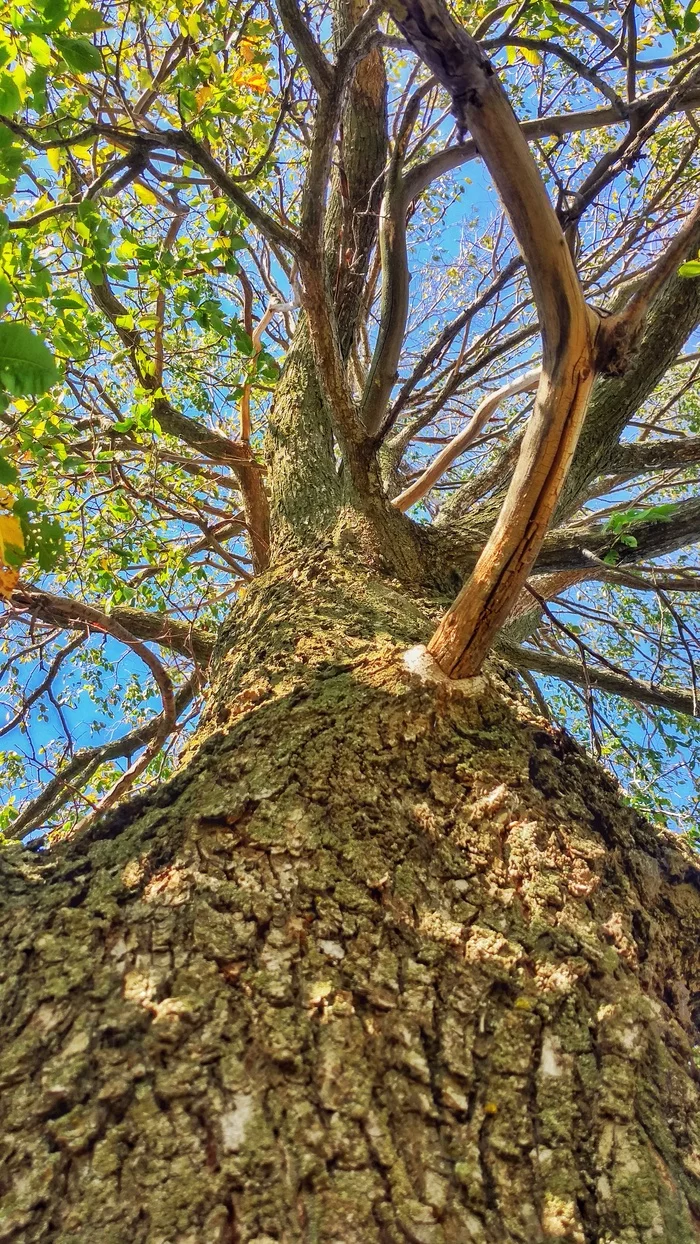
568	331
317	298
615	401
306	47
620	333
157	628
395	279
578	549
656	456
678	701
653	537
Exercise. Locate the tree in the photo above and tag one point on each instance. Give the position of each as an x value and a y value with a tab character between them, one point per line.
367	949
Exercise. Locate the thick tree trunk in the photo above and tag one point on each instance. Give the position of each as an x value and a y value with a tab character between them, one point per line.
389	960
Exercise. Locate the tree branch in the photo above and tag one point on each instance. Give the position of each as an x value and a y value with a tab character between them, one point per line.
312	58
66	612
442	461
447	336
317	299
568	333
87	761
678	701
44	685
560	125
395	277
637	459
237	454
620	333
571	549
563	54
673	317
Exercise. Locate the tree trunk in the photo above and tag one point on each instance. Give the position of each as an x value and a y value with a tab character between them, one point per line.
388	960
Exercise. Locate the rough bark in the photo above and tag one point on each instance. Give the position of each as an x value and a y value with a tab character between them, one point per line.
388	960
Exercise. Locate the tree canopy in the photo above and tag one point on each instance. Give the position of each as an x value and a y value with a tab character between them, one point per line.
196	201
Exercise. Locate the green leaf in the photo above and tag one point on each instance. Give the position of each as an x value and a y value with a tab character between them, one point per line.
10	98
40	51
54	12
87	21
691	268
79	54
8	474
658	513
26	366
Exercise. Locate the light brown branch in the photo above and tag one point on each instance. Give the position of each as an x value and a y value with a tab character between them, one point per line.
568	334
442	461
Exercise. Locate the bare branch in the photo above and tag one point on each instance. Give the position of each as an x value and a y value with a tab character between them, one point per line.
557	126
85	763
447	336
442	461
568	333
44	685
563	54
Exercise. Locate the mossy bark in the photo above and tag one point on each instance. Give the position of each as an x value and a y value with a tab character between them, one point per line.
388	960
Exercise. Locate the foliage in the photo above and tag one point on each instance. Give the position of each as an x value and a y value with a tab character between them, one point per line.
143	153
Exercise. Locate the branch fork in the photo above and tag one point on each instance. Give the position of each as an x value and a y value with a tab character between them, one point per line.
577	343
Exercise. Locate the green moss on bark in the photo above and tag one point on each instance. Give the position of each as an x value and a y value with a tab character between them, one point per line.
387	960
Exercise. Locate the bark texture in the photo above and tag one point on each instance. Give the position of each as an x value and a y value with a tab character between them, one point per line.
388	960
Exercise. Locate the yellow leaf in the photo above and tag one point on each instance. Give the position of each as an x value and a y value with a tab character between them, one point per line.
246	49
10	536
144	195
8	582
203	94
40	50
53	155
532	57
193	23
254	80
